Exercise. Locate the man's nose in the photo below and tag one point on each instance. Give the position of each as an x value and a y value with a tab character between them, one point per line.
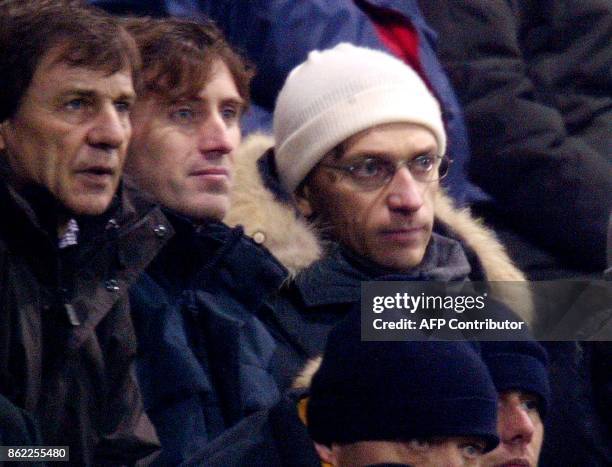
215	139
110	129
515	425
404	194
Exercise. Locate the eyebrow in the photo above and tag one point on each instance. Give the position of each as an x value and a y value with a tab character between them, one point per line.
235	101
131	96
185	99
90	94
425	150
78	92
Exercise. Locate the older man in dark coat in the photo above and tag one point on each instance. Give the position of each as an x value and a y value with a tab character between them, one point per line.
70	242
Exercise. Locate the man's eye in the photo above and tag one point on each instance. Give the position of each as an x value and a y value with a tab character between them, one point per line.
229	113
123	106
423	163
368	168
473	450
530	404
76	104
183	115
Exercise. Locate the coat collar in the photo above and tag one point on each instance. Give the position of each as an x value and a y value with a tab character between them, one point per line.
258	206
113	250
337	277
34	212
213	255
132	235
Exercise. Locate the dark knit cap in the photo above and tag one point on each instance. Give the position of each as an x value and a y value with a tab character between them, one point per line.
520	366
399	390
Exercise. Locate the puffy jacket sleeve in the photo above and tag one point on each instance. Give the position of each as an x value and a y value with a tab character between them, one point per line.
553	185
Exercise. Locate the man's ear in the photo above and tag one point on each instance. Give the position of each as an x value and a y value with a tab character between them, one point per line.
302	200
325	453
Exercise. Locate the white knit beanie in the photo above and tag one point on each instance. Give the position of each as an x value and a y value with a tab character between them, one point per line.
339	92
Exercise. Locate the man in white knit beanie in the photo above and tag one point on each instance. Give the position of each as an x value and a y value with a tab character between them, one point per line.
361	143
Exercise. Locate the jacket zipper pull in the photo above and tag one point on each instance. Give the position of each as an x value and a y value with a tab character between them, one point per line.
72	316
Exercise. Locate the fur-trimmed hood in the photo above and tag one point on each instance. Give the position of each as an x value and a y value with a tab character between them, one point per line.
304	378
295	243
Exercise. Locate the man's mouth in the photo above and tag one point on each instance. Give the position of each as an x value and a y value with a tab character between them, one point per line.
97	173
211	173
403	234
211	170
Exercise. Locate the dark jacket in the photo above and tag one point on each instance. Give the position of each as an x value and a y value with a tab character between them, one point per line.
578	428
17	428
276	35
322	295
67	344
275	437
205	357
534	78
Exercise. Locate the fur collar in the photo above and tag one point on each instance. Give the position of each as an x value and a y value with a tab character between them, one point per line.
295	244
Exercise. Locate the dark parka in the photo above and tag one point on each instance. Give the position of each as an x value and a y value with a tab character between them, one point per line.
67	344
205	357
535	80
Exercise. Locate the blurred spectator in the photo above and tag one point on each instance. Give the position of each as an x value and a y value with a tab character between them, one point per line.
578	426
535	80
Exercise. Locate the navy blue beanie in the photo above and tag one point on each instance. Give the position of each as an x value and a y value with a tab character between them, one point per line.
519	365
399	390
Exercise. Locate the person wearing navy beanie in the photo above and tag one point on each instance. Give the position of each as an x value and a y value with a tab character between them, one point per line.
520	373
372	404
416	403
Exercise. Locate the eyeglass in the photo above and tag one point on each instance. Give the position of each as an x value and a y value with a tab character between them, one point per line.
372	172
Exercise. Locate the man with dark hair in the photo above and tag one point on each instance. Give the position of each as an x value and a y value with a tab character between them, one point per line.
205	356
67	242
